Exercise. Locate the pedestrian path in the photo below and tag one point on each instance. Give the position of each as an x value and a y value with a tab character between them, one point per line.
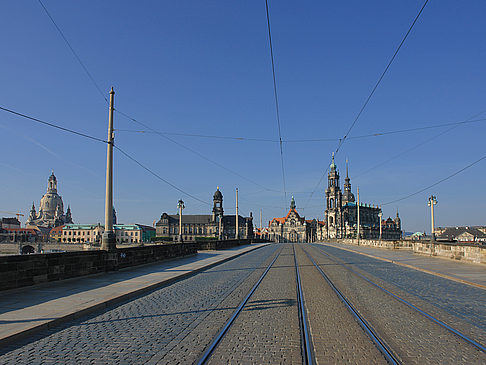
468	273
27	310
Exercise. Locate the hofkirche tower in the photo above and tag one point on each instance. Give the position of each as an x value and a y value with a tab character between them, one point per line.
334	197
51	208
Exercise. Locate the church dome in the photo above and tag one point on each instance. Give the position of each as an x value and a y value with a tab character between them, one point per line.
348	197
218	195
49	204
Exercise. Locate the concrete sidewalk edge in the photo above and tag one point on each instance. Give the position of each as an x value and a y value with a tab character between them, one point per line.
110	302
445	276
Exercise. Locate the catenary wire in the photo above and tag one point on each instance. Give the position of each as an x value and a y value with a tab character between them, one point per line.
276	99
381	78
52	125
194	151
436	183
369	135
158	176
454	125
74	52
342	140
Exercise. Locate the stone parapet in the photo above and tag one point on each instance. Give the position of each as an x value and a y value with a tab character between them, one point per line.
395	244
456	251
23	270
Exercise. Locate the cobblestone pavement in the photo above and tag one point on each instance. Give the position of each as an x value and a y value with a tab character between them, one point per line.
461	306
336	335
415	339
144	328
267	330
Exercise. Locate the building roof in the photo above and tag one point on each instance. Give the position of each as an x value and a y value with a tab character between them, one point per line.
20	230
451	233
11	221
283	219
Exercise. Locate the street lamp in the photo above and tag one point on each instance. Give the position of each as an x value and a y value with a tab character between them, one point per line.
181	206
432	201
380	214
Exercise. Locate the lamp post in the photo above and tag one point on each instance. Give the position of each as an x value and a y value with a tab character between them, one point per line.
357	211
380	214
180	205
237	225
432	201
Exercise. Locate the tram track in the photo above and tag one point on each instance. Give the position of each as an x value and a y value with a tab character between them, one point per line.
400	352
306	348
368	329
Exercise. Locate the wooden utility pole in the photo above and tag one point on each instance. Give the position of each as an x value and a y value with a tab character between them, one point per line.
108	241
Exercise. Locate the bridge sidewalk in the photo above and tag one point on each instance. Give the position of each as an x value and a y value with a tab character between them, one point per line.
467	273
27	310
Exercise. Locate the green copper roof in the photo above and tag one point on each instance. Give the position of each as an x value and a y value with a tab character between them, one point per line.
333	165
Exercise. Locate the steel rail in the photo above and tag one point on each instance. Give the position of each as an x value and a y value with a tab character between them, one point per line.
307	348
381	345
410	305
207	354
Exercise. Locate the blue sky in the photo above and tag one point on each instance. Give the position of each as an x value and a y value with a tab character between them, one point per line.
204	68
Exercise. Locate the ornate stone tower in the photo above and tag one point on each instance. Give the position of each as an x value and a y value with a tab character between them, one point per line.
52	184
348	196
217	205
333	202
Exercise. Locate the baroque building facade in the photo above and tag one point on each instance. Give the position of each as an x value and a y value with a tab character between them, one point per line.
204	226
341	214
292	227
51	209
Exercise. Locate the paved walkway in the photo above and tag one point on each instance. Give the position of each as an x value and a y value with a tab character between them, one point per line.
469	273
27	310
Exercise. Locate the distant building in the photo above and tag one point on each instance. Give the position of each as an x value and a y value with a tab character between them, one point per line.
10	223
461	234
20	235
291	228
92	233
341	214
51	209
204	226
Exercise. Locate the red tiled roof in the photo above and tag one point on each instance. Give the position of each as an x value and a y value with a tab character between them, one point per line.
57	229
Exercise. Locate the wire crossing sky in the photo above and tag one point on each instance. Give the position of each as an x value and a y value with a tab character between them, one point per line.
200	73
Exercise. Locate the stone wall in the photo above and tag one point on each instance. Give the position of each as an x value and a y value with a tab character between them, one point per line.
396	244
221	245
24	270
457	251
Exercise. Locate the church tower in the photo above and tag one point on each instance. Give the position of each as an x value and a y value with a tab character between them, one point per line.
217	205
52	184
348	196
333	202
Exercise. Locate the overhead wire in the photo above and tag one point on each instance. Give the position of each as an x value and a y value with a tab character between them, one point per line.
454	125
158	176
74	52
52	125
193	151
276	99
342	140
369	135
437	182
381	77
133	119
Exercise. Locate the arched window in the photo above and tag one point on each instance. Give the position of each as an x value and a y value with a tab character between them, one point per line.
331	203
331	220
